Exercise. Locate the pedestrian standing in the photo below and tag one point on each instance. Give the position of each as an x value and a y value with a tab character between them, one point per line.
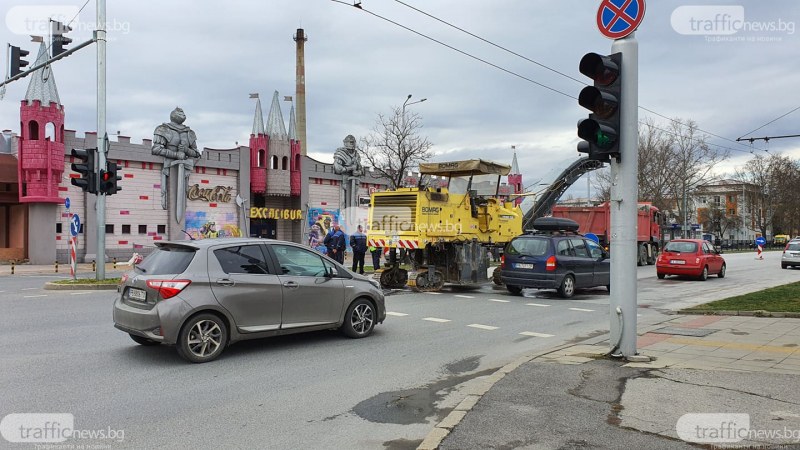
339	244
376	253
358	241
328	242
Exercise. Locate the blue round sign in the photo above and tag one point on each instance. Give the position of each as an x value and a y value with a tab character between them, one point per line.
592	236
761	241
74	225
66	203
619	18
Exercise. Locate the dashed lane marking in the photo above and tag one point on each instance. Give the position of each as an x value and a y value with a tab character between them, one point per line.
34	296
499	300
80	293
537	304
463	296
582	309
434	293
398	314
29	289
482	327
534	334
434	319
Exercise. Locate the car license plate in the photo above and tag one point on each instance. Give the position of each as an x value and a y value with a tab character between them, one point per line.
677	261
523	266
137	294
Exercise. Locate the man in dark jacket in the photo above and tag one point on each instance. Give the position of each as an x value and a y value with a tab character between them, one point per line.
339	244
358	241
329	244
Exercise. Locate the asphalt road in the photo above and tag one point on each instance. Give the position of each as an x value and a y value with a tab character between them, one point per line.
60	354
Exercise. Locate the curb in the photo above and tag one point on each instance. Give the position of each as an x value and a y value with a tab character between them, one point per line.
435	437
756	313
80	287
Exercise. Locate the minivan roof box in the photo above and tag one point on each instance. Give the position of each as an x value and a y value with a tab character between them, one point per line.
555	224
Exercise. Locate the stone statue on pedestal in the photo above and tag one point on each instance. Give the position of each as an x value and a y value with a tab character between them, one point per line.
177	143
347	163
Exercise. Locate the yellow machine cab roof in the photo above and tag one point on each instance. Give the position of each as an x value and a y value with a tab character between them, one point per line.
464	168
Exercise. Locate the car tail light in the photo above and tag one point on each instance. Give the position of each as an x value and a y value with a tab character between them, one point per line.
502	261
697	260
550	264
168	288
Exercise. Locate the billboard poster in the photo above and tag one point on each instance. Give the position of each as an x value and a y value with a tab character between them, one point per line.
212	224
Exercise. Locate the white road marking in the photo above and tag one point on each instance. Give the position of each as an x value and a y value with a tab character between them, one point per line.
537	304
582	309
80	293
29	289
34	296
1	292
499	301
482	327
463	296
434	293
531	333
434	319
390	313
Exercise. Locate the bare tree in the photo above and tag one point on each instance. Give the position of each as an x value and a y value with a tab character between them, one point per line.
774	193
655	160
395	146
716	219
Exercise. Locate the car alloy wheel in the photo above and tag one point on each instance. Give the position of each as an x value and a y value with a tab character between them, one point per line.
721	273
567	289
203	338
704	275
514	290
360	319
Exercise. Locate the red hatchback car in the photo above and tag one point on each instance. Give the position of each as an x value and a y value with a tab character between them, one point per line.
690	257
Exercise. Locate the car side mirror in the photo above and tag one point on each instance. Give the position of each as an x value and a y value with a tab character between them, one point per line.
330	272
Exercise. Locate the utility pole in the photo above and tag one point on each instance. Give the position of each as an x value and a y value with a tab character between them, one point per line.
102	139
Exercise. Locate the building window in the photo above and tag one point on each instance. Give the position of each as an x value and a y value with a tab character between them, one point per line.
162	229
109	228
126	229
285	163
732	212
273	162
262	158
296	162
716	200
58	228
142	229
33	130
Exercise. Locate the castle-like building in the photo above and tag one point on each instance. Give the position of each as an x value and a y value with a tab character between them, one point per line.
268	189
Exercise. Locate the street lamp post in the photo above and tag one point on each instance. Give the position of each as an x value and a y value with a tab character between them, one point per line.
405	103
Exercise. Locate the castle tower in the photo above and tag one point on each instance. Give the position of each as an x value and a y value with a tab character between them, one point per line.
515	179
258	153
278	151
41	143
295	148
300	88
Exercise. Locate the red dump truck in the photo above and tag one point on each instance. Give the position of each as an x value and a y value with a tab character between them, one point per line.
597	220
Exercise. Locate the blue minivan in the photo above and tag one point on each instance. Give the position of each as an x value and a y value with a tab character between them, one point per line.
554	256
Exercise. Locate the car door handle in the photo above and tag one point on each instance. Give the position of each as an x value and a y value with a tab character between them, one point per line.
225	282
291	285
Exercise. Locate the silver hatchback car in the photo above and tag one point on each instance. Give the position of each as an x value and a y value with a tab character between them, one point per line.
202	295
791	254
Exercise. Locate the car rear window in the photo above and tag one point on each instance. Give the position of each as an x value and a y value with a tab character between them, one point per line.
681	247
793	246
167	260
528	246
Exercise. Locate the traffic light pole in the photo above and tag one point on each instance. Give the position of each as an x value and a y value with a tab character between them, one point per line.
624	206
102	141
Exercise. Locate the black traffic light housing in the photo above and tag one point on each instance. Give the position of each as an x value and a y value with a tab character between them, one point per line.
601	130
88	179
109	179
17	63
59	41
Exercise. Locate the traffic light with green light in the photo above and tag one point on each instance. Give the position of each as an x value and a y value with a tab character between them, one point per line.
601	130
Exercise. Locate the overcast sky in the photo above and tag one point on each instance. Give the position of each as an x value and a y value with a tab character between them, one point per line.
208	56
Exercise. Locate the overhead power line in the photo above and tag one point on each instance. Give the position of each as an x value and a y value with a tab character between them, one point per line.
360	7
762	126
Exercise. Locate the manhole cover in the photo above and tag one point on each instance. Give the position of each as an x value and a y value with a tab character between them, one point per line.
696	332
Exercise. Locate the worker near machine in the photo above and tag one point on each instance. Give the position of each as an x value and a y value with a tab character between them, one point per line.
376	256
358	242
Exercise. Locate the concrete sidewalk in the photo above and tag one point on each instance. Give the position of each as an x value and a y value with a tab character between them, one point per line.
746	369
